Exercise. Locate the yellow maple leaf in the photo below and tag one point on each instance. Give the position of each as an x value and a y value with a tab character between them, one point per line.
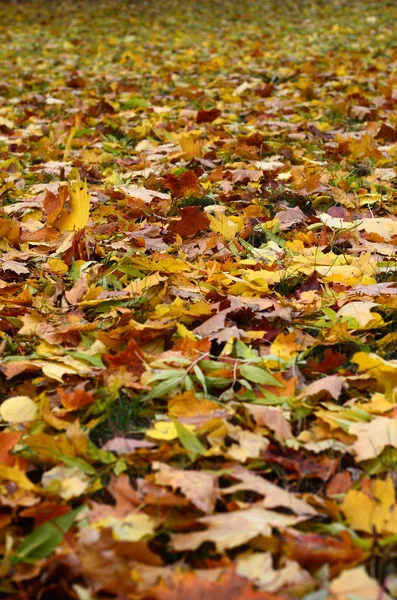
286	346
226	227
375	512
17	476
191	146
80	210
384	371
365	146
58	266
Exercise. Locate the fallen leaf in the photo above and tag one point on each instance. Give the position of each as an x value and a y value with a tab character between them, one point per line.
188	585
273	418
233	529
165	430
134	527
274	496
14	266
373	437
372	512
122	445
361	312
332	384
65	482
221	224
79	214
18	409
258	568
356	583
382	370
198	487
312	550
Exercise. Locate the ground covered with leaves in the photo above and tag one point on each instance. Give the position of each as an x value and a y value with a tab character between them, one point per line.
198	303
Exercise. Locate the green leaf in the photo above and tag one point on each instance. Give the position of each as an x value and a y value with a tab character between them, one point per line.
188	382
43	540
274	238
244	351
93	360
135	102
213	365
167	374
159	391
217	382
331	314
188	439
258	375
79	463
200	376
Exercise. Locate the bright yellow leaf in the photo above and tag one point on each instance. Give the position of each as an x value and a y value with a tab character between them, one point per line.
165	430
58	266
374	512
226	227
80	205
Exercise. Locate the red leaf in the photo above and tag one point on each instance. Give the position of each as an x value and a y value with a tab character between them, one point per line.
46	511
131	357
207	116
76	399
332	360
312	550
185	586
184	185
193	220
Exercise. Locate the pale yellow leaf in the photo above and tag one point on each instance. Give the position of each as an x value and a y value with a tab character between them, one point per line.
66	482
18	409
361	312
356	584
229	530
132	528
373	437
258	568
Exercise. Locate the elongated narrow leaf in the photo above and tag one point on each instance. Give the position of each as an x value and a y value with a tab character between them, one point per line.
258	375
161	390
188	439
43	540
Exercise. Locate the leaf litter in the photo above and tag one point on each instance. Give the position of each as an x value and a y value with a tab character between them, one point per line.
198	303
